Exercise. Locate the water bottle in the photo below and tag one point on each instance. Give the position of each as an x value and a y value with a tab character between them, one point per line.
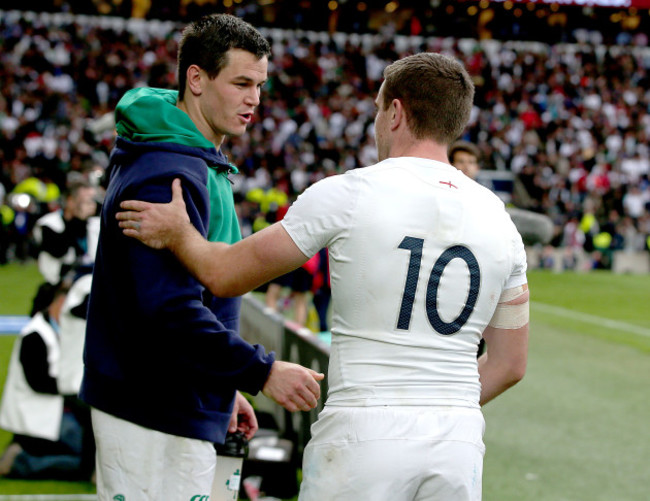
230	459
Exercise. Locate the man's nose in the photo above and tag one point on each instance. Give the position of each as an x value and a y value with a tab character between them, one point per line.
253	97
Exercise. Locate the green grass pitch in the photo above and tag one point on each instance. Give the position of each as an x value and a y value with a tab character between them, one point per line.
575	429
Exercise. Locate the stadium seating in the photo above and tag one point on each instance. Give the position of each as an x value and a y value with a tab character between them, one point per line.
569	121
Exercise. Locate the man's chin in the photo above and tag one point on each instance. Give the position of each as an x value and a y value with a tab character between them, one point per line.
239	131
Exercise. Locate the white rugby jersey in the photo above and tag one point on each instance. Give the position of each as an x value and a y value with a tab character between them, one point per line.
419	255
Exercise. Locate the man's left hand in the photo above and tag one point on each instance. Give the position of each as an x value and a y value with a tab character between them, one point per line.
243	417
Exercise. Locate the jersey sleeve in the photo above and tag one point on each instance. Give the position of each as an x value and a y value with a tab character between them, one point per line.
321	213
518	275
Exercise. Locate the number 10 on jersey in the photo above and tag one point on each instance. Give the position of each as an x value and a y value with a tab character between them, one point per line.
415	246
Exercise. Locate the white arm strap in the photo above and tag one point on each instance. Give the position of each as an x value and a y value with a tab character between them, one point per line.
510	316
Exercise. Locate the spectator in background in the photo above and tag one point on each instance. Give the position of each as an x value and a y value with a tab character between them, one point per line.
273	205
465	157
72	331
66	237
635	202
21	212
299	282
48	438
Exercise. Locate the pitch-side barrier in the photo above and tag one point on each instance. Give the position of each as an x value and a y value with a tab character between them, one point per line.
291	343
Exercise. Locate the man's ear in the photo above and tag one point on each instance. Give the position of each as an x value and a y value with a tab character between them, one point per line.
194	80
396	114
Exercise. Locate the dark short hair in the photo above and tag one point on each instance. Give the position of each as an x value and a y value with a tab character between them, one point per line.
436	92
464	146
207	41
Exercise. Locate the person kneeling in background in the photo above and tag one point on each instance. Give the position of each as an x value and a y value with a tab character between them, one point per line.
47	441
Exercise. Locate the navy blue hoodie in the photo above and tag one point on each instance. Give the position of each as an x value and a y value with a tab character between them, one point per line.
160	351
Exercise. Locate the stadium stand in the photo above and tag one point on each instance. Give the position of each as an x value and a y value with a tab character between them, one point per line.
570	121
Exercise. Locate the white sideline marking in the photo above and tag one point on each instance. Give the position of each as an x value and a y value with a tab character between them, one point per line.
590	319
49	497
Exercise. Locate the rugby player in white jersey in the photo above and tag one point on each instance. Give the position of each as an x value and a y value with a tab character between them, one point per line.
423	261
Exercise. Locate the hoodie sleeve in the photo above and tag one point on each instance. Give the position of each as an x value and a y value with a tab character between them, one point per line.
175	326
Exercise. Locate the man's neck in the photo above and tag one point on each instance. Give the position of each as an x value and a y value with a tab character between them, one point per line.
54	310
195	115
420	149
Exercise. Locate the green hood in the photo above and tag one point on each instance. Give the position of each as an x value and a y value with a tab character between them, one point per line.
146	114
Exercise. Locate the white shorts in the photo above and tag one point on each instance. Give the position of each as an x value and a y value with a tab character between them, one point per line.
394	454
146	465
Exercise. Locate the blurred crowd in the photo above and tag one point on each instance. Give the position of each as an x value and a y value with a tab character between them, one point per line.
571	121
494	19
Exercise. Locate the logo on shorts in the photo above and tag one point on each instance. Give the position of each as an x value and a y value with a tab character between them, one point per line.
200	497
119	497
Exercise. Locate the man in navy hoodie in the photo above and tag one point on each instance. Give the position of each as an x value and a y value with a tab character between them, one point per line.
163	358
